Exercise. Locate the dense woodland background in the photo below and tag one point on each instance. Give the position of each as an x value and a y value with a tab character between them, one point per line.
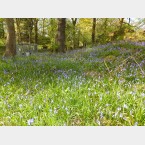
62	34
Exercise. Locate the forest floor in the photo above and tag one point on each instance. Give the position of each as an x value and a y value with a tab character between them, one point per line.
99	86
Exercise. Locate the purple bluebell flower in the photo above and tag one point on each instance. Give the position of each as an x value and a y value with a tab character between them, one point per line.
30	121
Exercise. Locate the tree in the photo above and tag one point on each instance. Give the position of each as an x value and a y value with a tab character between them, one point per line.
74	21
43	27
93	31
119	33
2	32
129	19
61	34
18	29
36	30
30	28
25	29
11	38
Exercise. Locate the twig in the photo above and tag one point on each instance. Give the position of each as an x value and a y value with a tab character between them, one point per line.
107	67
138	65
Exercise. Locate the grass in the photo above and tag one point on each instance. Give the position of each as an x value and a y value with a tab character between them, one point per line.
104	85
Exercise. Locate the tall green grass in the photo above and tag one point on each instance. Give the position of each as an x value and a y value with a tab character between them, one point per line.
103	86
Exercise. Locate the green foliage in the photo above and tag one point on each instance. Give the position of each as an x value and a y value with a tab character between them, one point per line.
52	31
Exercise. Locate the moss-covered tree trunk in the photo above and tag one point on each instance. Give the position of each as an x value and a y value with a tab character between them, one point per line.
61	34
11	38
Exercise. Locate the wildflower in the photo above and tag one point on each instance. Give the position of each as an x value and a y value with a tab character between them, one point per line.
30	121
101	115
89	94
96	104
132	93
131	112
125	118
66	108
125	106
55	111
5	71
118	95
119	108
107	105
143	94
39	106
20	105
12	79
121	115
36	86
136	123
100	98
97	121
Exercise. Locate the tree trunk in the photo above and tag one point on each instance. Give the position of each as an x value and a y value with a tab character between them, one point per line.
43	30
121	22
30	28
18	29
74	20
93	31
36	30
129	19
78	40
2	35
105	26
61	34
11	38
120	31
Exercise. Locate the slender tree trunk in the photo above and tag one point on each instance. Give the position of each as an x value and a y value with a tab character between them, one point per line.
18	29
129	19
93	31
78	40
36	30
11	38
121	30
74	20
43	31
121	22
30	26
105	26
61	34
30	36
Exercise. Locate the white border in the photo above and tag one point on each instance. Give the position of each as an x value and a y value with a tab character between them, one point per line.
72	8
71	135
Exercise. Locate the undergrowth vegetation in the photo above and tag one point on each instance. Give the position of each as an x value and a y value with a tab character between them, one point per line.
104	85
